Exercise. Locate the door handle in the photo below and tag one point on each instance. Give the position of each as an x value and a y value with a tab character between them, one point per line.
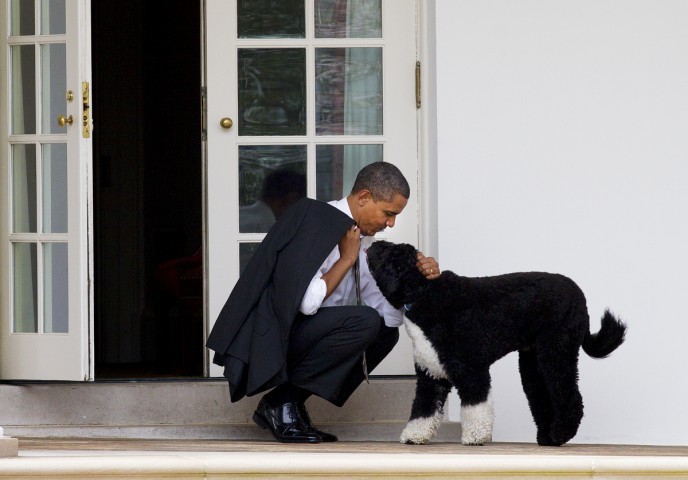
62	120
226	123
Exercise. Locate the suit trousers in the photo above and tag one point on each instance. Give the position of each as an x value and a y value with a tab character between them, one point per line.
325	350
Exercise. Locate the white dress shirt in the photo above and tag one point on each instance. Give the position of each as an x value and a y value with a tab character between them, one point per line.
345	293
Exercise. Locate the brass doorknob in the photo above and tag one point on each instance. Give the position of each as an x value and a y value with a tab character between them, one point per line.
62	121
226	122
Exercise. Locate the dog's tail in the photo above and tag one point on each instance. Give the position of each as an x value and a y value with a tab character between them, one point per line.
608	339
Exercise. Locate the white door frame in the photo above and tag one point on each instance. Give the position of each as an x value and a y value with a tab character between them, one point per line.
82	286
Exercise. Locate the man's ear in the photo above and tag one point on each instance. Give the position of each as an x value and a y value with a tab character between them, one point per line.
364	196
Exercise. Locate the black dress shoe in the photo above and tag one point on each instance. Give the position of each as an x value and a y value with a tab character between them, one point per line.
285	423
324	436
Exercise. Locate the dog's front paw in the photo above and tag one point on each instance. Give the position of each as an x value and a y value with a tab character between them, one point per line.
419	431
476	423
475	440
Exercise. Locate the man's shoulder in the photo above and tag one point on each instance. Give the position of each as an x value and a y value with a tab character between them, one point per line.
318	208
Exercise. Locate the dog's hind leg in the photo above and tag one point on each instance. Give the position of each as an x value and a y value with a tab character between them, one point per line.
426	412
559	367
477	413
536	392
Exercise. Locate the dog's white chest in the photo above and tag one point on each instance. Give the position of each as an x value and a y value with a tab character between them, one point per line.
424	353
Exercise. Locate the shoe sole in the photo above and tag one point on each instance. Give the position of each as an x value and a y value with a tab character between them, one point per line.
262	423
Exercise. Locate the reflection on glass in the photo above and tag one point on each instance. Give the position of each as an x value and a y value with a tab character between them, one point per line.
246	251
54	188
348	91
271	19
348	18
338	165
24	194
23	68
53	21
271	178
54	82
272	91
55	300
25	295
22	17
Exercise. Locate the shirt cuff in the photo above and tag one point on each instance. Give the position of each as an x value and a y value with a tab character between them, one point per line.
314	296
392	316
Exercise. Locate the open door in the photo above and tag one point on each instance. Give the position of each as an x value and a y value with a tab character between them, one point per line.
44	204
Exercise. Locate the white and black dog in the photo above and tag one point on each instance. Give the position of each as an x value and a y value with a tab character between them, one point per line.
460	326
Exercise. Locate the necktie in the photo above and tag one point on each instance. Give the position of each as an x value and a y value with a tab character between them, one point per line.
357	283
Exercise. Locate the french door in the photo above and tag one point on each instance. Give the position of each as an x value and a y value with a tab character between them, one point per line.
300	95
44	160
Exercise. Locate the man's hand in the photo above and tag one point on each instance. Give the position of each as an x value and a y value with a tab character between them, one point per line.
428	266
350	245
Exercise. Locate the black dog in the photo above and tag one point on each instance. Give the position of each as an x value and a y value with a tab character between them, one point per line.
460	326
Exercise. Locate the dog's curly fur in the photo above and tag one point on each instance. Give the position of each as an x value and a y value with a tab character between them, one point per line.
460	326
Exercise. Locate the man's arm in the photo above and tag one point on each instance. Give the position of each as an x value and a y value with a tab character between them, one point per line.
324	283
349	247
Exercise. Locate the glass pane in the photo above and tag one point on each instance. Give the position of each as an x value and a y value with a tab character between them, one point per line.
53	21
338	165
23	89
271	19
25	285
24	196
55	288
22	17
55	188
272	91
271	178
348	91
348	18
54	82
246	251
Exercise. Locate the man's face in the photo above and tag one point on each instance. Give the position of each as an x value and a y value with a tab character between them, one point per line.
375	216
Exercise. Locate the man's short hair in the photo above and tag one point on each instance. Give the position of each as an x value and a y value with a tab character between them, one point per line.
384	181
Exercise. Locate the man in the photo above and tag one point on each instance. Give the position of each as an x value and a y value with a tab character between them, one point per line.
292	321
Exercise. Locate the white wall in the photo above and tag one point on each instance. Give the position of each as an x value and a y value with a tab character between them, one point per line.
563	147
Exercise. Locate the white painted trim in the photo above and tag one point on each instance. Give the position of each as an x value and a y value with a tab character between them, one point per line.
427	130
86	175
4	167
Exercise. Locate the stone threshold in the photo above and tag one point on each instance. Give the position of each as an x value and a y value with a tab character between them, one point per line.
312	464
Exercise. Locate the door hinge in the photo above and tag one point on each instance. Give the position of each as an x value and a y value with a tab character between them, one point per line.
204	114
417	84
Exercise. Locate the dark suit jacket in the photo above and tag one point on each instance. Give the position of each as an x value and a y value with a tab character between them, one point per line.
251	334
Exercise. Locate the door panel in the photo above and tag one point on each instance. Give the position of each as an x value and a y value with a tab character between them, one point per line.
44	323
299	99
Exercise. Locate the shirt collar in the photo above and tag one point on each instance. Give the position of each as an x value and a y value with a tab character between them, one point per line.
343	206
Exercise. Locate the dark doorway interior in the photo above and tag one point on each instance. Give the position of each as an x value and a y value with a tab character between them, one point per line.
147	188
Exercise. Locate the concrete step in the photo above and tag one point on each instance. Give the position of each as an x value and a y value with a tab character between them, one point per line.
192	409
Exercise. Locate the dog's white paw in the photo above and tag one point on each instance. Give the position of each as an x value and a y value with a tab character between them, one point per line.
476	423
420	431
475	440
